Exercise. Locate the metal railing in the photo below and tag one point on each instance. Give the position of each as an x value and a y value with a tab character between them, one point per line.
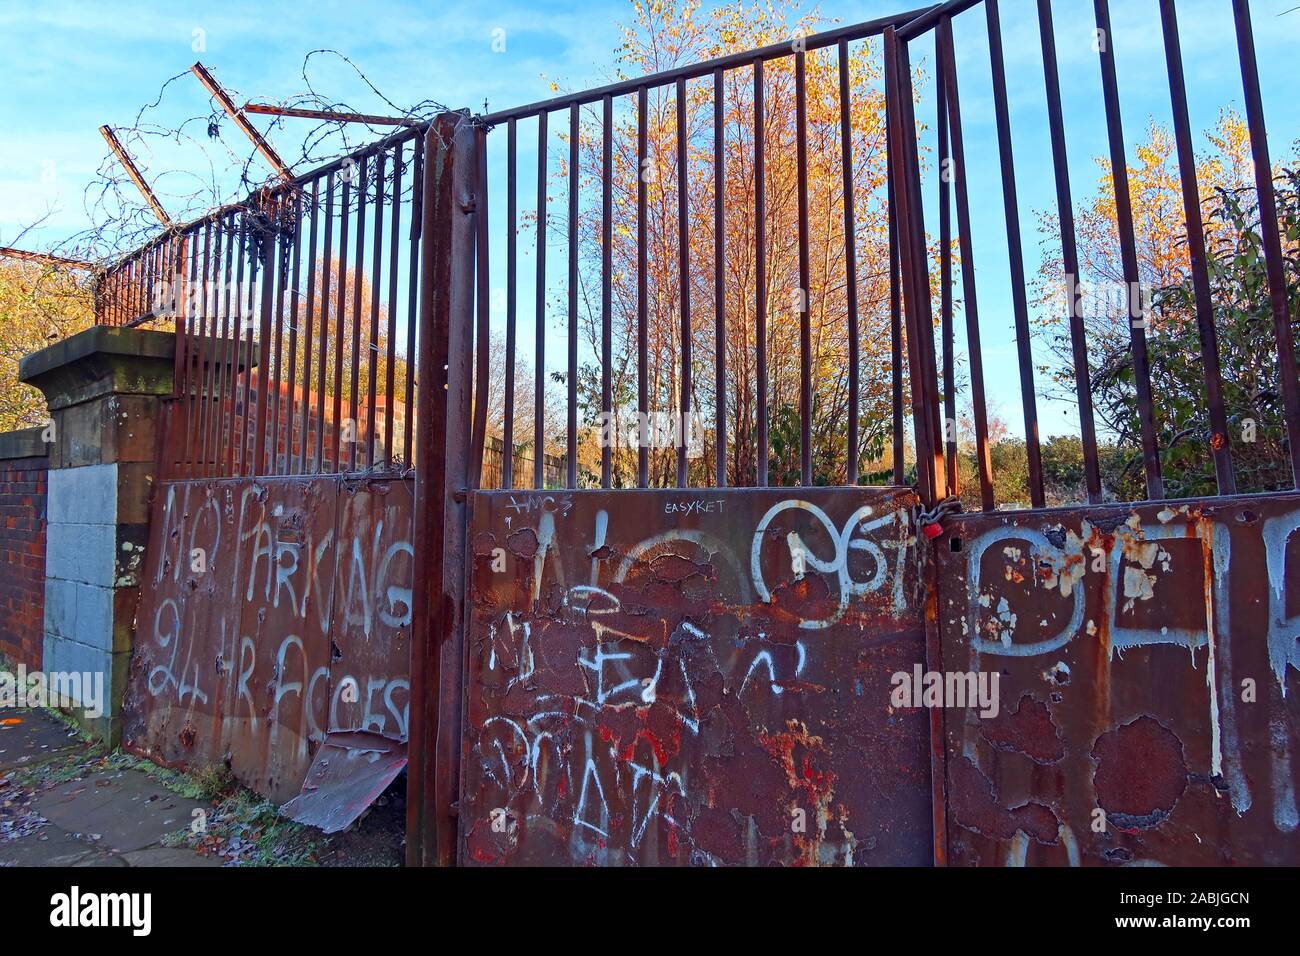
286	309
766	73
283	369
937	451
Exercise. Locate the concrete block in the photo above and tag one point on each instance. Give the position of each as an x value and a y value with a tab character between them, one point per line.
81	552
68	657
80	612
86	495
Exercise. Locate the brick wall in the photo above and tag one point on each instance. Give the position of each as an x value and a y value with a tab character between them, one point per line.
23	469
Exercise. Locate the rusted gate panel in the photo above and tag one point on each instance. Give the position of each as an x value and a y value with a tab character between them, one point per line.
1148	696
652	680
371	665
265	595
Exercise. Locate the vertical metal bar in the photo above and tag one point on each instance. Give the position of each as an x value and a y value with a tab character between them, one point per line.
295	310
176	277
194	309
229	328
606	293
222	350
309	337
970	303
372	352
241	367
804	295
946	293
345	204
482	332
1128	253
276	398
417	226
850	263
642	290
146	286
278	275
1015	255
181	359
1274	258
920	326
269	270
1070	253
446	311
683	283
354	367
512	304
719	283
895	287
254	237
539	346
327	269
1220	448
394	245
210	376
760	271
194	434
571	428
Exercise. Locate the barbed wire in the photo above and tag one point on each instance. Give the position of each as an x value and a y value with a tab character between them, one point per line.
221	167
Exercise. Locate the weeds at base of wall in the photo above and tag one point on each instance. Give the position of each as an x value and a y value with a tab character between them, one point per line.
245	830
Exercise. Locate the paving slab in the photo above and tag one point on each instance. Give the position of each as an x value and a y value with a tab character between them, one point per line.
121	811
36	736
106	819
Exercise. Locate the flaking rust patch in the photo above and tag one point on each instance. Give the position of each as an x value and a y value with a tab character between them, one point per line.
799	753
975	807
1141	773
1030	730
523	543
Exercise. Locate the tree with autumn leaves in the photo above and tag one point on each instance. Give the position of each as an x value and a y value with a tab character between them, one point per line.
1242	316
39	305
665	34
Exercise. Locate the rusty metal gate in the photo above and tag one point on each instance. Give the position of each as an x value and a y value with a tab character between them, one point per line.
690	650
653	679
1145	651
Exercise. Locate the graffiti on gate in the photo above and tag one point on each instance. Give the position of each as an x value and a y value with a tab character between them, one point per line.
278	611
662	681
1150	650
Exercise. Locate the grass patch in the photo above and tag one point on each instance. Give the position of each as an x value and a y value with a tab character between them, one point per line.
245	830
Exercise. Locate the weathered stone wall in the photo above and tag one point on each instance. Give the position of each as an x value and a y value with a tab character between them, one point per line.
103	388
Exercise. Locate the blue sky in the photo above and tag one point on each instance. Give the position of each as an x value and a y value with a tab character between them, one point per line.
66	68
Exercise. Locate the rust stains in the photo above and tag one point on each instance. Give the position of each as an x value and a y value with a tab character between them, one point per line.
1029	730
523	543
1140	774
695	686
973	805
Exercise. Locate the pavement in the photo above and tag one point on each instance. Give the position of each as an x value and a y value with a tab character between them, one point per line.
113	818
